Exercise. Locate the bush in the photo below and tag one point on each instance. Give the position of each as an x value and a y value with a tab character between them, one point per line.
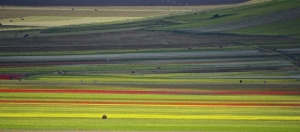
104	117
215	16
26	35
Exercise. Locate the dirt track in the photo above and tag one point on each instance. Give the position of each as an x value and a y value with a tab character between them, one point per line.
116	2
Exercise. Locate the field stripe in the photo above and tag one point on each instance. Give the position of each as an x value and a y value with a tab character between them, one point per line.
232	104
147	116
182	92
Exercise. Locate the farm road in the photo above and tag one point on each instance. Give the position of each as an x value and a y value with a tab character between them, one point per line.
132	56
250	22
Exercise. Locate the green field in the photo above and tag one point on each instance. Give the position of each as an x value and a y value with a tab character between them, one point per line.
153	68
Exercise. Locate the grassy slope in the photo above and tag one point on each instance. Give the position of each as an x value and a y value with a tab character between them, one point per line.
204	19
286	28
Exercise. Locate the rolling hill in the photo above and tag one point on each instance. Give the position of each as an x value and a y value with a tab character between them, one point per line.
116	2
276	17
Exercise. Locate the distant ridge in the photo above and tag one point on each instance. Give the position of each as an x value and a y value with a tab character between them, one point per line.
116	2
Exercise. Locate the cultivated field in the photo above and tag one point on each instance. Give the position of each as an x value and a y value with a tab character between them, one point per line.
62	70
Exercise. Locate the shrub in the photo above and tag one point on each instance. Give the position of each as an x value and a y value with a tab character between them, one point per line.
104	117
216	16
26	35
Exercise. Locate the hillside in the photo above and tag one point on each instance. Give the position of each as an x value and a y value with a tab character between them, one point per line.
243	20
116	2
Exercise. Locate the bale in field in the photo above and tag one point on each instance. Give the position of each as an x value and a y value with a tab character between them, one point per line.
133	71
11	20
104	117
241	81
96	9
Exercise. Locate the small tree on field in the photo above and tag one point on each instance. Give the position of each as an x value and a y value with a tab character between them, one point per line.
104	117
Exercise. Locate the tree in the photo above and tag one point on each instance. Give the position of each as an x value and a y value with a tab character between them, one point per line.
104	117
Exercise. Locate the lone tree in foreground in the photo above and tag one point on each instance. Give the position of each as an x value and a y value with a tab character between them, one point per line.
104	117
